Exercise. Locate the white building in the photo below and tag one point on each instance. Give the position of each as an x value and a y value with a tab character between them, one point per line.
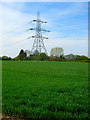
70	57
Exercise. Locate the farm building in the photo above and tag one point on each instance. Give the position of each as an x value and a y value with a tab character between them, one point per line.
70	57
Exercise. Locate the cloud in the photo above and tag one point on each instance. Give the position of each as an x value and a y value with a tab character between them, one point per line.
70	45
15	23
45	0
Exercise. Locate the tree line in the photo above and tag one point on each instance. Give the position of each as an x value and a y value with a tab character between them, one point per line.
56	54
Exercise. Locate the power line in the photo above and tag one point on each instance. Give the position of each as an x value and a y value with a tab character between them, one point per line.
63	25
16	33
75	29
51	38
70	17
69	38
13	44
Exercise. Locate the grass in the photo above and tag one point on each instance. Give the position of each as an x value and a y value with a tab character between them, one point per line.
45	89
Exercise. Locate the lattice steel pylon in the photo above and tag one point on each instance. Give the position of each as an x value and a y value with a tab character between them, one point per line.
38	44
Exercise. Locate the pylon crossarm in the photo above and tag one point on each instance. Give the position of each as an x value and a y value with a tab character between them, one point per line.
31	37
44	37
39	21
31	29
45	30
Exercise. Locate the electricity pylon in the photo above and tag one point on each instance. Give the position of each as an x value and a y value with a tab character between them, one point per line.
38	44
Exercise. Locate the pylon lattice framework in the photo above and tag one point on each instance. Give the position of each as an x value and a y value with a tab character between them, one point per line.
38	44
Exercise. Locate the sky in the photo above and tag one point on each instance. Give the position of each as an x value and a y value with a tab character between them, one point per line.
67	22
45	0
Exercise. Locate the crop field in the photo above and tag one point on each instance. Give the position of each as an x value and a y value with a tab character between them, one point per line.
33	90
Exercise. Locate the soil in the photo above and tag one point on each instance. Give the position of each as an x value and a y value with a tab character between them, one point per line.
4	117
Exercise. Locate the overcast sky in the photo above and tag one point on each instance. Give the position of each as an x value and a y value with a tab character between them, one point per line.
67	21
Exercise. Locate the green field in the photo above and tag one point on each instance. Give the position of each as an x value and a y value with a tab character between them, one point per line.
45	89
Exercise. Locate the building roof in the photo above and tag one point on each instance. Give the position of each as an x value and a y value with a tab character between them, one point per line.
52	57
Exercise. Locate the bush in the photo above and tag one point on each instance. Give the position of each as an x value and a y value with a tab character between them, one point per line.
43	56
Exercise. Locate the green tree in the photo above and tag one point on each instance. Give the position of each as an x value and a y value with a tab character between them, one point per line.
43	56
62	57
56	51
16	58
0	58
22	55
5	58
78	57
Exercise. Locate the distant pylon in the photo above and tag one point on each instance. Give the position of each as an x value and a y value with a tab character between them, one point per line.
38	44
